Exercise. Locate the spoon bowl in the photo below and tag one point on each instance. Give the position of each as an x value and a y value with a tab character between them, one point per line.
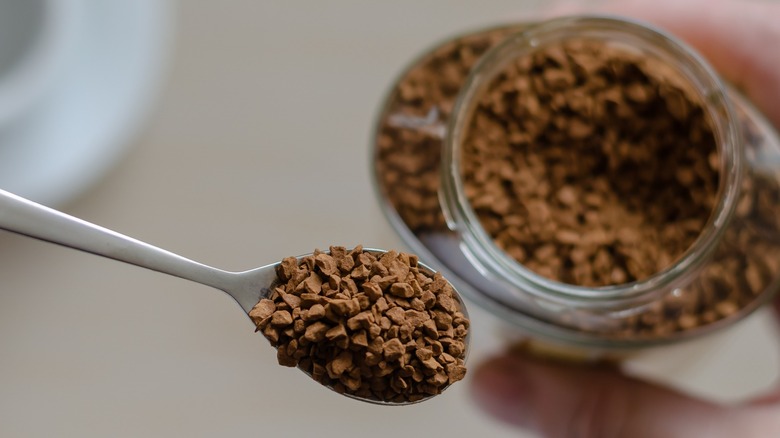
25	217
427	271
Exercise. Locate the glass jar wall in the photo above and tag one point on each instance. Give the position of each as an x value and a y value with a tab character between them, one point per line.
731	268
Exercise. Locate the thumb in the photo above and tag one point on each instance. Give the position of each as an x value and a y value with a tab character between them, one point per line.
565	400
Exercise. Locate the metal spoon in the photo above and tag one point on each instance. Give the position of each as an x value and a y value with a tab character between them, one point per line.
22	216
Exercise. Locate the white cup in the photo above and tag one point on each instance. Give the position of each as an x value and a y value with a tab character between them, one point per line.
38	39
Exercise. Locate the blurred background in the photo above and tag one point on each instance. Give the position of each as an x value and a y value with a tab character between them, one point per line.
234	133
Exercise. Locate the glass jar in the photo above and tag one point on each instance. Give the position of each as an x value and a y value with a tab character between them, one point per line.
731	269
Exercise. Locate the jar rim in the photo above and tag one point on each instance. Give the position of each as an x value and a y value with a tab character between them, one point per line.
461	217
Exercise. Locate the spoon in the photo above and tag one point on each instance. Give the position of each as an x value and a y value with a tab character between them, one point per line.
25	217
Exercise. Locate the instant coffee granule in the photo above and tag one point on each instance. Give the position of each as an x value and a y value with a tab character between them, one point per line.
590	164
373	325
409	142
409	145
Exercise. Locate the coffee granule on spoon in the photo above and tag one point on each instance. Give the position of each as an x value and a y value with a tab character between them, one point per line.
376	326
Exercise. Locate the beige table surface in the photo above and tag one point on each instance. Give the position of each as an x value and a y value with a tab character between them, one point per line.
257	150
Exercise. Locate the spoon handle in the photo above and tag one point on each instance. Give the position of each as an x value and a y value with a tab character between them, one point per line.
22	216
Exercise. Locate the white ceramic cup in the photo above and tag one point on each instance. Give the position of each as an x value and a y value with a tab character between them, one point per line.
37	41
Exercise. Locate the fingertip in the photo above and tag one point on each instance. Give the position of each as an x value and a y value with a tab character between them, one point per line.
501	388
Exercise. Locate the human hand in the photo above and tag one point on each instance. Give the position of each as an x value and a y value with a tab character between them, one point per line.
741	39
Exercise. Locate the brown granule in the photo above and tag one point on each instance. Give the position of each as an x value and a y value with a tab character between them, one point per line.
376	326
590	164
409	156
408	162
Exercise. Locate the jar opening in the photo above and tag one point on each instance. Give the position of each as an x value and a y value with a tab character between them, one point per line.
627	35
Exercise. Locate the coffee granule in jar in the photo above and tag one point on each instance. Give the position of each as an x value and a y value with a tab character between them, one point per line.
408	150
409	141
373	325
590	164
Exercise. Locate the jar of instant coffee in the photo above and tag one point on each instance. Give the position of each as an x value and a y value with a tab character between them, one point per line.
589	179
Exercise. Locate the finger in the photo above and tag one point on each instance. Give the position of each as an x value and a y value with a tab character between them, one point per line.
739	38
563	401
